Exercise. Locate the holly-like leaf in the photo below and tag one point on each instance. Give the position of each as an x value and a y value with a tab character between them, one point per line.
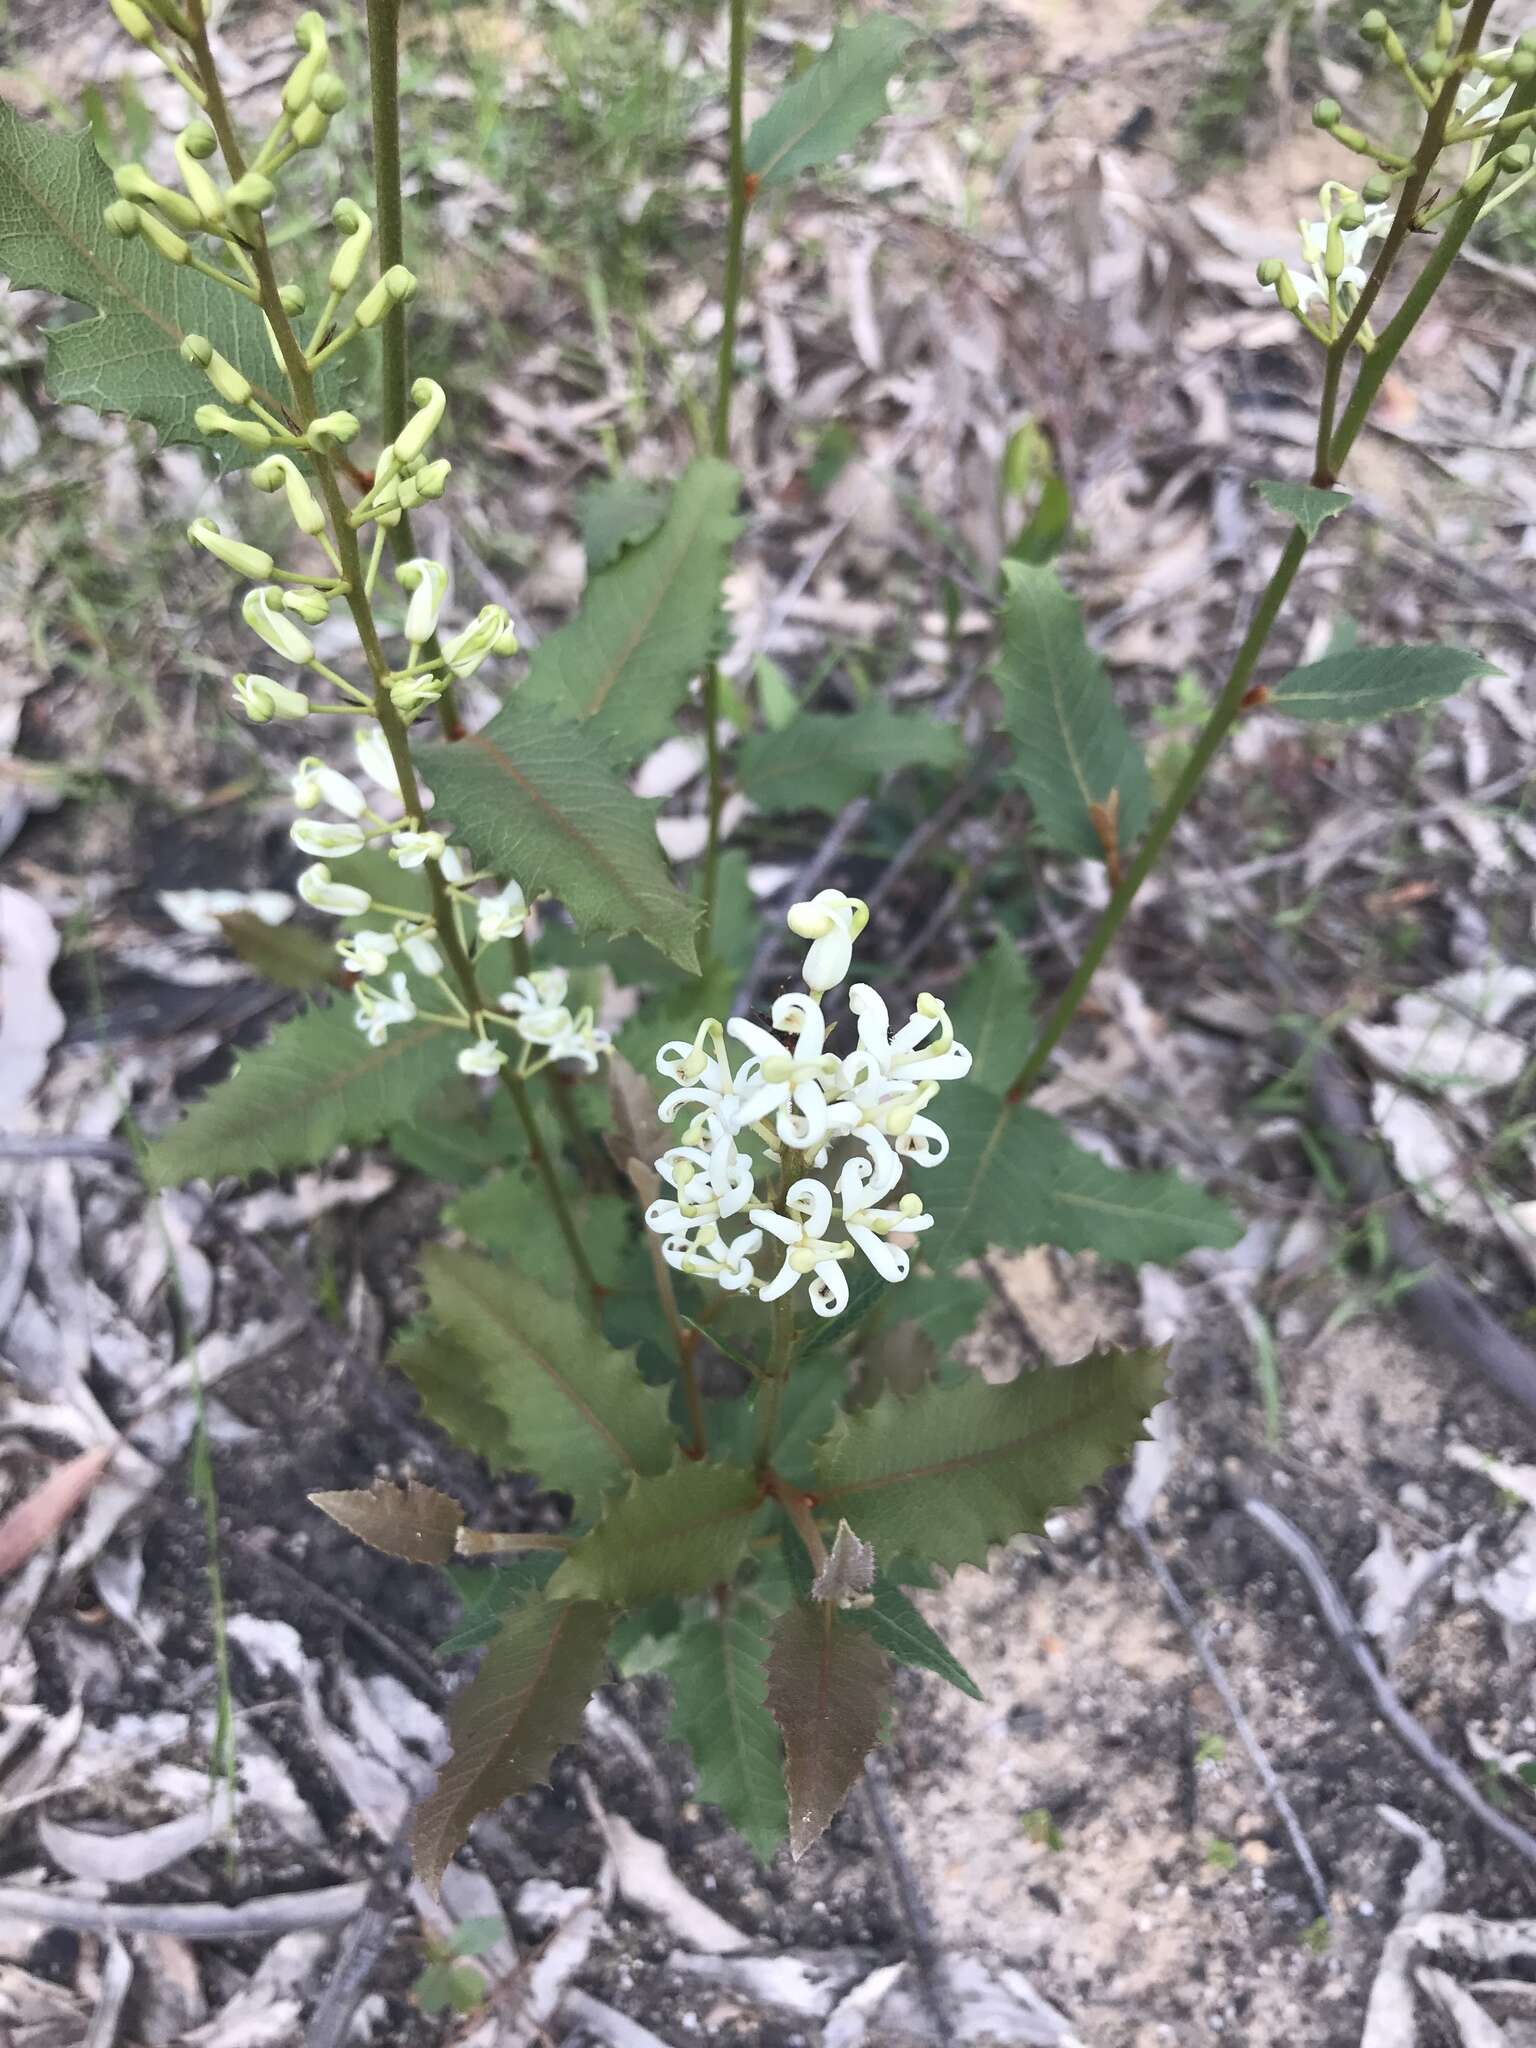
1376	682
582	1415
822	113
462	1392
821	762
719	1709
1303	504
647	625
890	1618
315	1085
509	1213
488	1593
412	1521
681	1533
1015	1178
534	795
1073	752
827	1686
615	514
991	1015
458	1134
955	1469
523	1704
126	358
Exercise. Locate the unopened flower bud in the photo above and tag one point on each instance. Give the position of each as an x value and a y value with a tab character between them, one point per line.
310	125
263	612
312	606
163	240
1431	64
465	651
234	554
395	288
280	472
348	260
309	34
292	298
134	21
333	430
122	217
199	140
134	182
1374	26
431	480
1327	114
330	93
1522	64
253	193
1517	157
261	699
213	419
1377	189
231	385
412	439
201	190
1273	273
427	581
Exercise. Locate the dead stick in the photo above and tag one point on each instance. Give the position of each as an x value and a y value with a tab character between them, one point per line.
281	1913
1338	1618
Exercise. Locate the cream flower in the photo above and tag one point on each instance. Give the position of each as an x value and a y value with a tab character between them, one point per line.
481	1058
315	784
862	1187
779	1083
832	921
501	916
808	1249
367	953
327	838
415	849
377	1014
341	899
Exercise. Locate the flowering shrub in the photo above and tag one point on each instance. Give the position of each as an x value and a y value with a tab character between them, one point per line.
659	1327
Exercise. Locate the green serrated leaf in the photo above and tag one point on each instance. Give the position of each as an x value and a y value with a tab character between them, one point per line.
510	1214
1015	1178
315	1085
459	1135
289	955
461	1392
488	1593
534	797
1376	682
944	1306
827	1687
991	1014
680	1533
647	625
53	189
582	1415
719	1709
615	514
523	1704
821	762
823	112
956	1469
1303	504
1073	751
891	1619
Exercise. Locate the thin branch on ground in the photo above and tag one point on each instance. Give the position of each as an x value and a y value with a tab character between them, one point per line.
922	1935
1339	1619
282	1913
1194	1628
360	1949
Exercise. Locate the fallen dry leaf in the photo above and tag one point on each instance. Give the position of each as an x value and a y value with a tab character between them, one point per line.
48	1507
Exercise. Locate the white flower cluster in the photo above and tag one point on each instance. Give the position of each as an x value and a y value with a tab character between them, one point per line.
832	1135
1334	250
534	1010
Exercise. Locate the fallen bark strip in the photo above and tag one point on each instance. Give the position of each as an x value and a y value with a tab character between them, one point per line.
1449	1315
1339	1619
282	1913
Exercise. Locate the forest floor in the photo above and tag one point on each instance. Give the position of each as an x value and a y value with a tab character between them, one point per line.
1039	231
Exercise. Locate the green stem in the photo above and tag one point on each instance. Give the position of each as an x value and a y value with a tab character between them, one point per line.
775	1378
725	385
1229	705
302	386
384	84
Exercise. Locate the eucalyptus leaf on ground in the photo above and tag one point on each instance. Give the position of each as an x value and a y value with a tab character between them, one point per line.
649	623
315	1085
534	796
584	1418
680	1533
126	359
1072	750
719	1709
523	1704
1015	1178
410	1521
1376	682
953	1470
827	1688
823	112
821	762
